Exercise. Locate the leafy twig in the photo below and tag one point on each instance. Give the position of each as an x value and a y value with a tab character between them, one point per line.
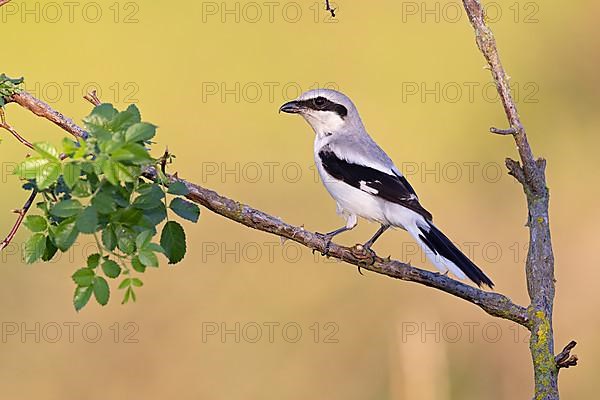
493	303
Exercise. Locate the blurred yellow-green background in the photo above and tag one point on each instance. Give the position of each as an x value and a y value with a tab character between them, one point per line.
244	317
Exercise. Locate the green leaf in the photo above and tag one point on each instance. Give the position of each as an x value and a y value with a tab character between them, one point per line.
178	188
124	283
66	208
82	189
116	172
34	248
137	265
172	241
101	290
149	199
50	251
104	203
136	282
93	260
87	222
156	215
109	238
82	296
65	234
35	223
125	118
125	240
143	239
83	276
132	152
47	175
140	132
29	168
148	258
185	209
47	151
71	174
111	268
101	115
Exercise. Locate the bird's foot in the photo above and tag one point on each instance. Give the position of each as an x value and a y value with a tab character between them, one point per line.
366	256
327	239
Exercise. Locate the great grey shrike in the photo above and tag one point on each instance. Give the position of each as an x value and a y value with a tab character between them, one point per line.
365	183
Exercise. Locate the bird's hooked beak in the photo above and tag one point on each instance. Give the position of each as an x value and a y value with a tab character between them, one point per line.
292	107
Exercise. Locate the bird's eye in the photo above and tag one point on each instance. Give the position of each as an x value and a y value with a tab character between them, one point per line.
320	102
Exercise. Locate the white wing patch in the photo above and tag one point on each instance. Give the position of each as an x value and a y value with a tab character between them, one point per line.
364	186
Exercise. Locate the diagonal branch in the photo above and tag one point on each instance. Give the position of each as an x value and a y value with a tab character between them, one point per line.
494	304
13	131
43	110
21	216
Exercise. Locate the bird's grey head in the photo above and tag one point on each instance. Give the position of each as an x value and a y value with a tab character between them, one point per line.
327	111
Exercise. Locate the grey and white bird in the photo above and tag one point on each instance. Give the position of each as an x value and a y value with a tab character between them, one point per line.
365	183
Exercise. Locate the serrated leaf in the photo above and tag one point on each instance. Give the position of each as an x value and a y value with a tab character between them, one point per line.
109	238
132	152
65	234
71	174
81	297
101	290
35	223
83	276
29	168
148	258
47	175
125	118
178	188
137	265
155	247
46	150
172	241
156	215
149	199
116	172
125	239
50	251
34	248
143	239
93	260
140	132
82	189
104	203
87	221
101	114
185	209
111	269
66	208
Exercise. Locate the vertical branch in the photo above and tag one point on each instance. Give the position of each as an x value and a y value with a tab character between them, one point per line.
531	174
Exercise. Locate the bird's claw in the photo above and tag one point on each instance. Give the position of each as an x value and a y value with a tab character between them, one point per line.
327	239
366	256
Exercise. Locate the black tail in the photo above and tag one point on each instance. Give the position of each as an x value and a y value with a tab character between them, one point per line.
442	246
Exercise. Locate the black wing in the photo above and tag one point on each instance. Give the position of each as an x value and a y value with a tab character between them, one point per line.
394	188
